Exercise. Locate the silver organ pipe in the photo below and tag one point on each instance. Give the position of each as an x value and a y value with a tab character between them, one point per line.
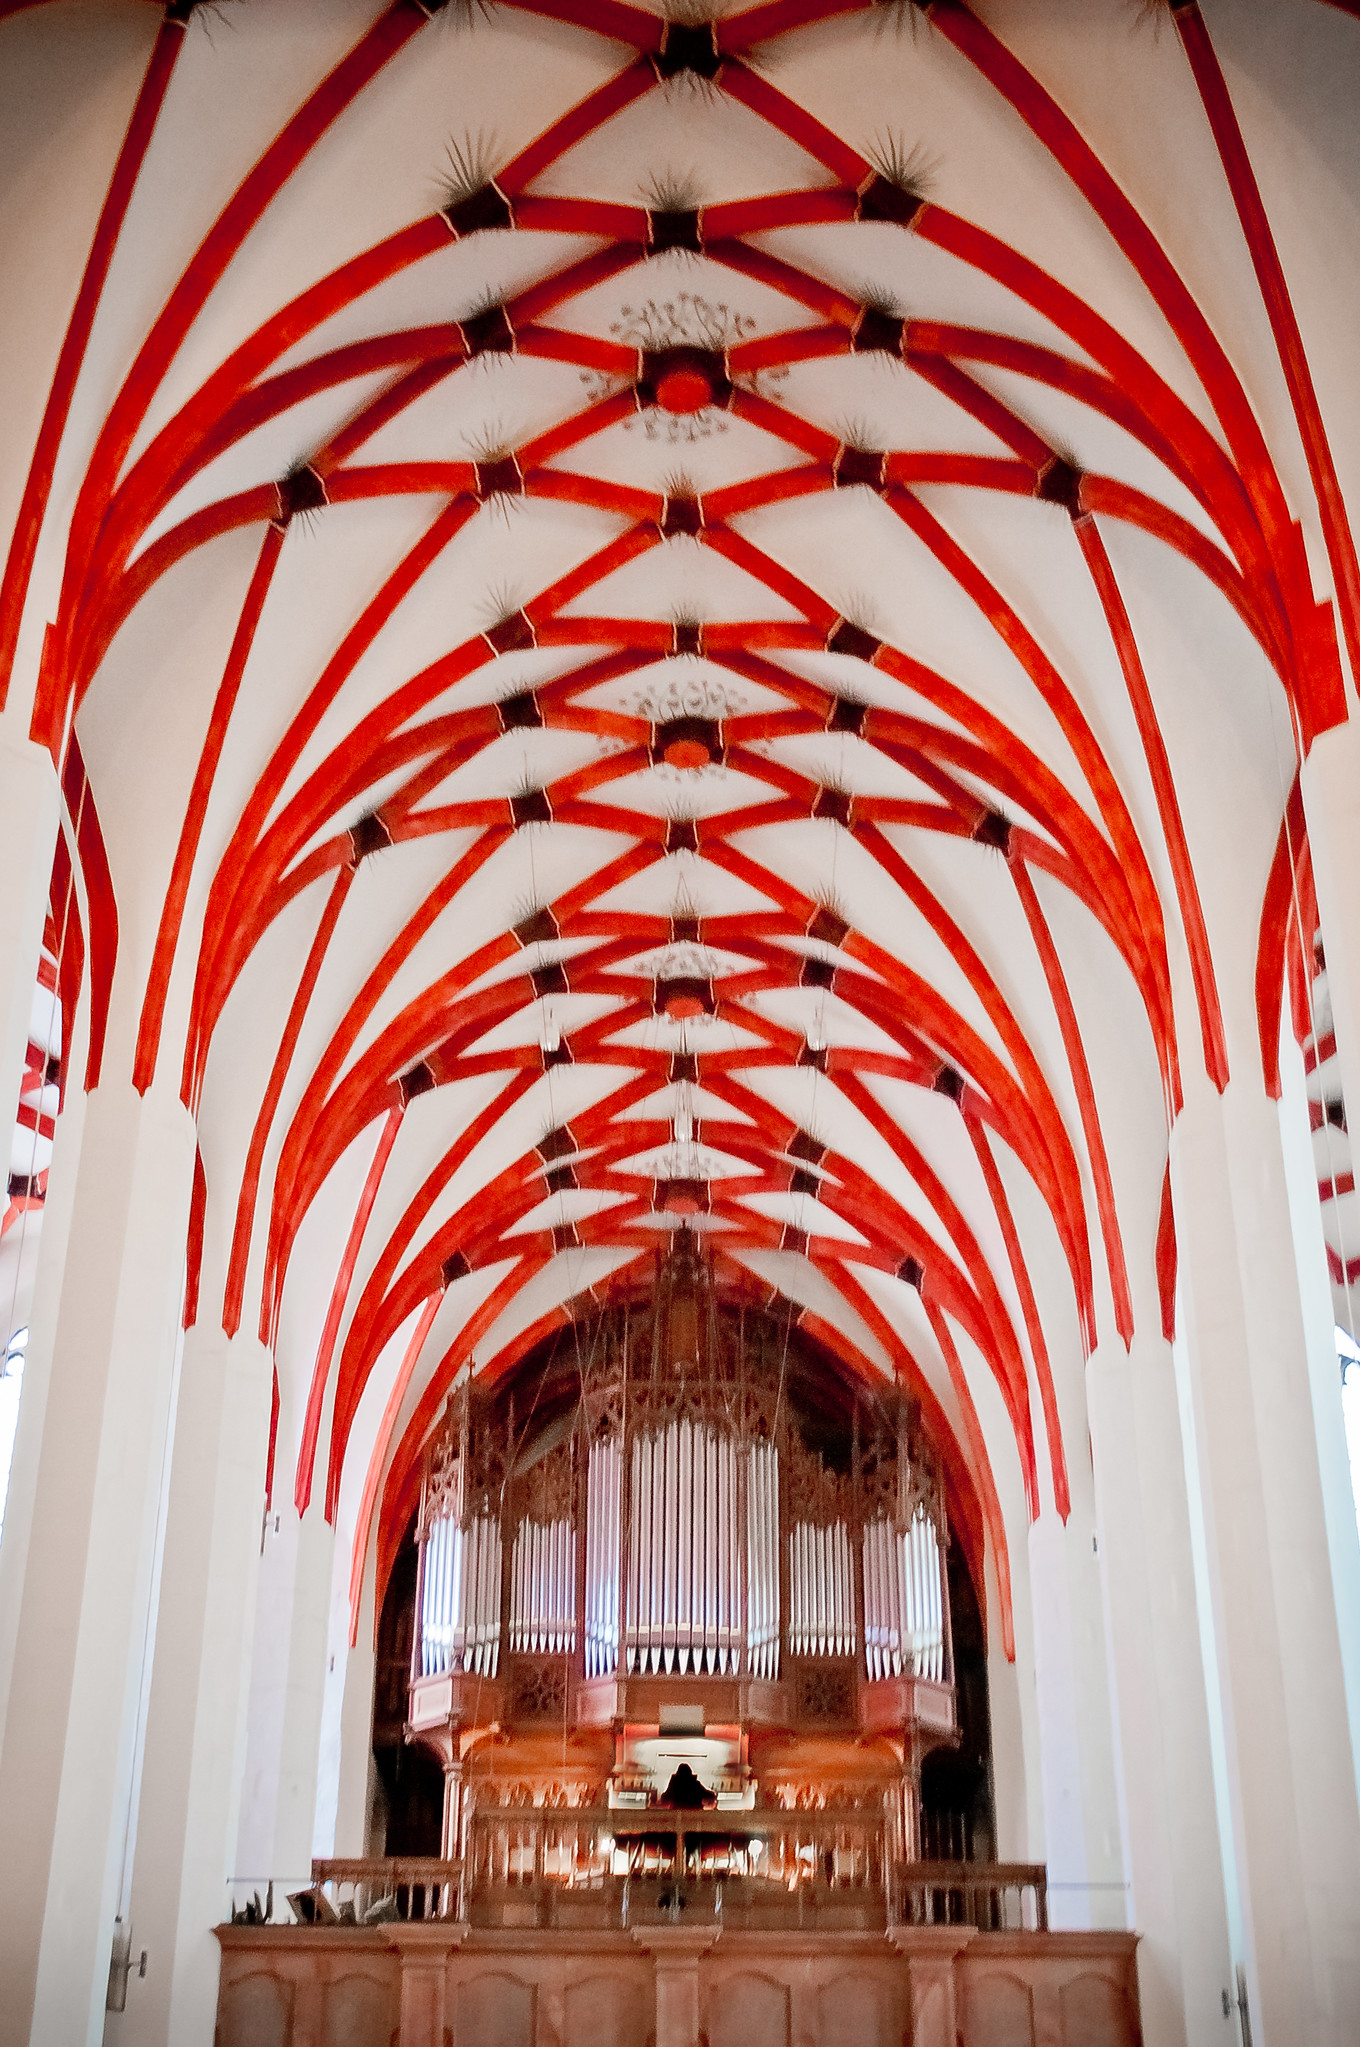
904	1599
845	1587
671	1487
482	1596
639	1617
684	1573
762	1560
460	1620
821	1590
439	1606
882	1613
930	1651
725	1499
707	1522
603	1504
543	1589
436	1631
683	1608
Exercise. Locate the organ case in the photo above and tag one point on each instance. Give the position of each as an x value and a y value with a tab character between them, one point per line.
664	1525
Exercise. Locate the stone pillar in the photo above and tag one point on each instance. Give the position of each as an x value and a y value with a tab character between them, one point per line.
354	1789
1172	1850
1324	1371
451	1831
345	1749
1330	785
195	1739
1081	1811
1287	1765
287	1689
1330	782
29	807
676	1953
63	1178
930	1953
67	1766
425	1950
1016	1795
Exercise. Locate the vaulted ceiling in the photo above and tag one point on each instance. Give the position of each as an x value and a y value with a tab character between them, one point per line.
664	623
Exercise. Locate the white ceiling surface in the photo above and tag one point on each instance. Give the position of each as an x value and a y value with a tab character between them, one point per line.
487	82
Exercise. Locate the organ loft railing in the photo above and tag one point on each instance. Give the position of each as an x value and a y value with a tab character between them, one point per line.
672	1526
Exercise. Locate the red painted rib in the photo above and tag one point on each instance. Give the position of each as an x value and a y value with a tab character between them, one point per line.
167	933
311	1423
1164	788
1086	1102
1270	276
33	504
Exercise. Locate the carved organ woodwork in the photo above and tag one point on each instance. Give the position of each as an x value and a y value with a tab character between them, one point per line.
661	1525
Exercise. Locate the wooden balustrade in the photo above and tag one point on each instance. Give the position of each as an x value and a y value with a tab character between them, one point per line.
614	1867
994	1897
376	1892
845	1944
638	1862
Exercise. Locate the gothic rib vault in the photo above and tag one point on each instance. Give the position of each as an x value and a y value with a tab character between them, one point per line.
663	623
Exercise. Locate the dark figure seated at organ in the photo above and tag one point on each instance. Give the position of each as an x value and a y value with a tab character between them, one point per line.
685	1792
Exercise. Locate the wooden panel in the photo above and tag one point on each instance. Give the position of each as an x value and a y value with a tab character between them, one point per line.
607	2011
549	1986
857	2011
748	2011
255	2011
495	2010
1095	2013
999	2012
360	2012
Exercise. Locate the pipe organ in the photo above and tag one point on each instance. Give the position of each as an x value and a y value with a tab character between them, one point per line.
461	1617
762	1619
668	1513
903	1602
604	1495
543	1589
460	1575
821	1590
684	1607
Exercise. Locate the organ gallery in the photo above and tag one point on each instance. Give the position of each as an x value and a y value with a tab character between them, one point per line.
664	1523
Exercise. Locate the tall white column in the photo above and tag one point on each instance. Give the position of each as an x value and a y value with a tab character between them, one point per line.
1290	1781
345	1760
63	1178
1324	1372
1331	794
66	1770
29	808
28	811
195	1736
1081	1811
287	1689
1172	1853
1017	1793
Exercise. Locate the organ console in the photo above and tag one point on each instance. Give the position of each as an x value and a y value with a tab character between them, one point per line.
667	1529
